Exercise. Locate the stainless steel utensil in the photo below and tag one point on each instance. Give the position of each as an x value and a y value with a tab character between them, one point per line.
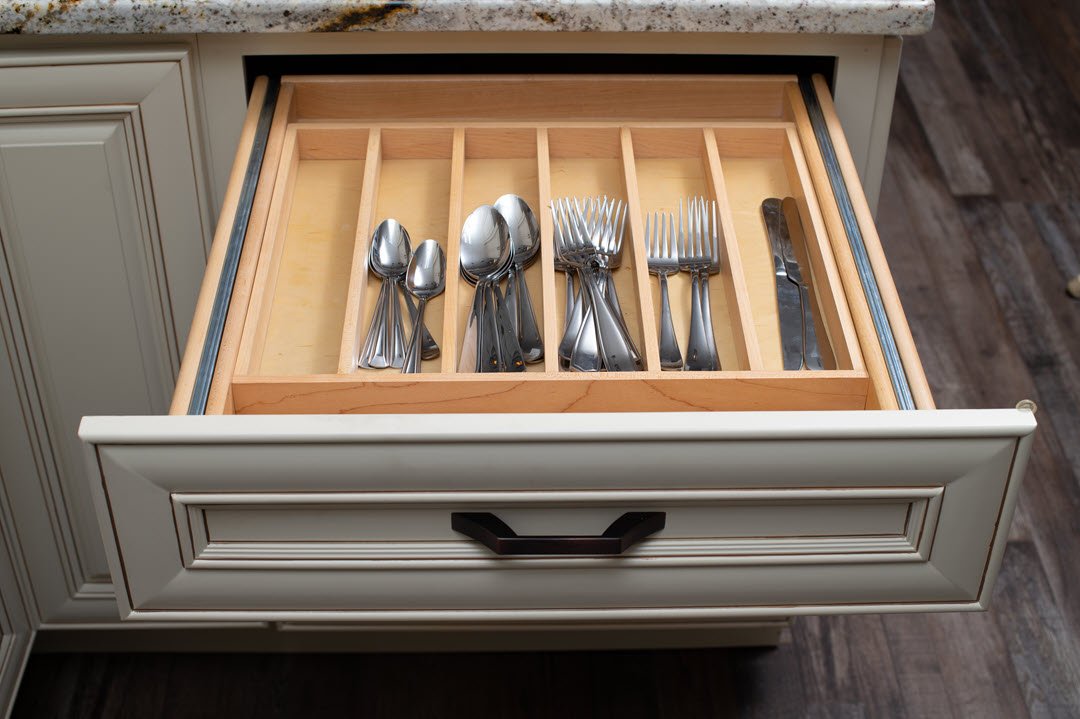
486	257
425	278
663	260
788	299
388	258
525	236
700	245
585	248
794	235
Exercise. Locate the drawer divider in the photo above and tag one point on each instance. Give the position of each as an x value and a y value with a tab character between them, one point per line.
451	336
352	331
553	329
636	239
731	265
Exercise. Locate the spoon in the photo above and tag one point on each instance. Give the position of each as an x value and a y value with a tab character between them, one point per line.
486	255
525	236
389	260
424	279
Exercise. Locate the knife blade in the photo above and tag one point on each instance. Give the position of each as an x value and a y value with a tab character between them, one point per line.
792	233
788	299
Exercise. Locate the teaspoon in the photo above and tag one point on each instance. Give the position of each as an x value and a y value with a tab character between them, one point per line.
425	278
525	236
389	260
486	255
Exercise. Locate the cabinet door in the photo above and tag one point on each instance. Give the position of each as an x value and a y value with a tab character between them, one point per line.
103	236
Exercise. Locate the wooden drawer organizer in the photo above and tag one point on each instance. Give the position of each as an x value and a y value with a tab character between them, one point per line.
346	152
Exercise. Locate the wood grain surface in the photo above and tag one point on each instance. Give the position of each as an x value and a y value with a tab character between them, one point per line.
980	218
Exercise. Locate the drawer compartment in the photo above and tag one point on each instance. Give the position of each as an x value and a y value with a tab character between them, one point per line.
290	485
339	172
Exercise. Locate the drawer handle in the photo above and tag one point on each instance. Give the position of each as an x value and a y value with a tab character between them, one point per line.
497	536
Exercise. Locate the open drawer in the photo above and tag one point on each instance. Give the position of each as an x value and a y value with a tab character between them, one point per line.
288	484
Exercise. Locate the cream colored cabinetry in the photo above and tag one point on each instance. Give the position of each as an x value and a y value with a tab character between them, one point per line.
315	491
16	629
104	226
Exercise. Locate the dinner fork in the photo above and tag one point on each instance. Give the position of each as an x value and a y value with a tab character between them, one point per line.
600	328
700	244
663	260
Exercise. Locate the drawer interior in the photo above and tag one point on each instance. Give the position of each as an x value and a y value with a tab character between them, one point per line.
346	152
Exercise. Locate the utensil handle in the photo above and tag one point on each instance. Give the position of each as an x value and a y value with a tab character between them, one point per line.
497	536
811	352
374	355
430	346
569	298
416	342
619	352
699	356
490	349
396	328
532	345
469	360
706	316
575	314
512	359
670	356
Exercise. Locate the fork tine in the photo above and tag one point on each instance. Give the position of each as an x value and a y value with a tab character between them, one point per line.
715	236
661	237
701	230
671	233
682	232
648	239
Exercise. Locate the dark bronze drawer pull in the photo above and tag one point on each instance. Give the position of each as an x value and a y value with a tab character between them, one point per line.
494	534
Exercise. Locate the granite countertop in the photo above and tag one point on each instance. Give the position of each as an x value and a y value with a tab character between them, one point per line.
863	17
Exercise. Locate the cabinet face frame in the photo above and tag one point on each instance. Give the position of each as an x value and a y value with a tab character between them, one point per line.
136	106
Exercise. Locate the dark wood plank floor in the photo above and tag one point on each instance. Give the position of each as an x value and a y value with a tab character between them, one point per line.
980	214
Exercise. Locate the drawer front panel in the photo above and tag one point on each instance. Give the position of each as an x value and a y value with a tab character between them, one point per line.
767	513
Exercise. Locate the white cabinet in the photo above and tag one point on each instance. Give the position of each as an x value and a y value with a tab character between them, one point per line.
16	629
338	506
104	227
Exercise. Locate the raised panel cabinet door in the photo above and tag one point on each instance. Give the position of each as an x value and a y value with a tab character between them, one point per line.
103	236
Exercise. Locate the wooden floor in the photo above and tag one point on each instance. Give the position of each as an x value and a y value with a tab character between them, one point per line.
980	214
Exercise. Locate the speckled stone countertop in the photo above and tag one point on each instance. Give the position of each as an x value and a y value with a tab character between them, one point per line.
862	17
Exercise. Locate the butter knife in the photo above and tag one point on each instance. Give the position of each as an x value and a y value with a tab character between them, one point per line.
788	299
794	234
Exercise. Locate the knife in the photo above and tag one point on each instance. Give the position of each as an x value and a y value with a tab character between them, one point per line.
788	299
791	233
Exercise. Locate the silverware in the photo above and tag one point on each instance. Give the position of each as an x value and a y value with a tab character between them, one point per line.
798	337
388	258
788	296
425	278
663	260
602	341
525	236
486	257
698	254
389	248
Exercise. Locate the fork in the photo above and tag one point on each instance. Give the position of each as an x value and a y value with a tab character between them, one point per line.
601	342
663	260
697	255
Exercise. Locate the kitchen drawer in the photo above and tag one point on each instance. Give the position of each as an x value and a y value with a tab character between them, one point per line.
288	485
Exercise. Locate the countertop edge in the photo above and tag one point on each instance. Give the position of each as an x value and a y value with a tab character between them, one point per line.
106	17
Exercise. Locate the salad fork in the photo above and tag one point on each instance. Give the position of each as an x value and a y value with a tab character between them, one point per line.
697	255
663	260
